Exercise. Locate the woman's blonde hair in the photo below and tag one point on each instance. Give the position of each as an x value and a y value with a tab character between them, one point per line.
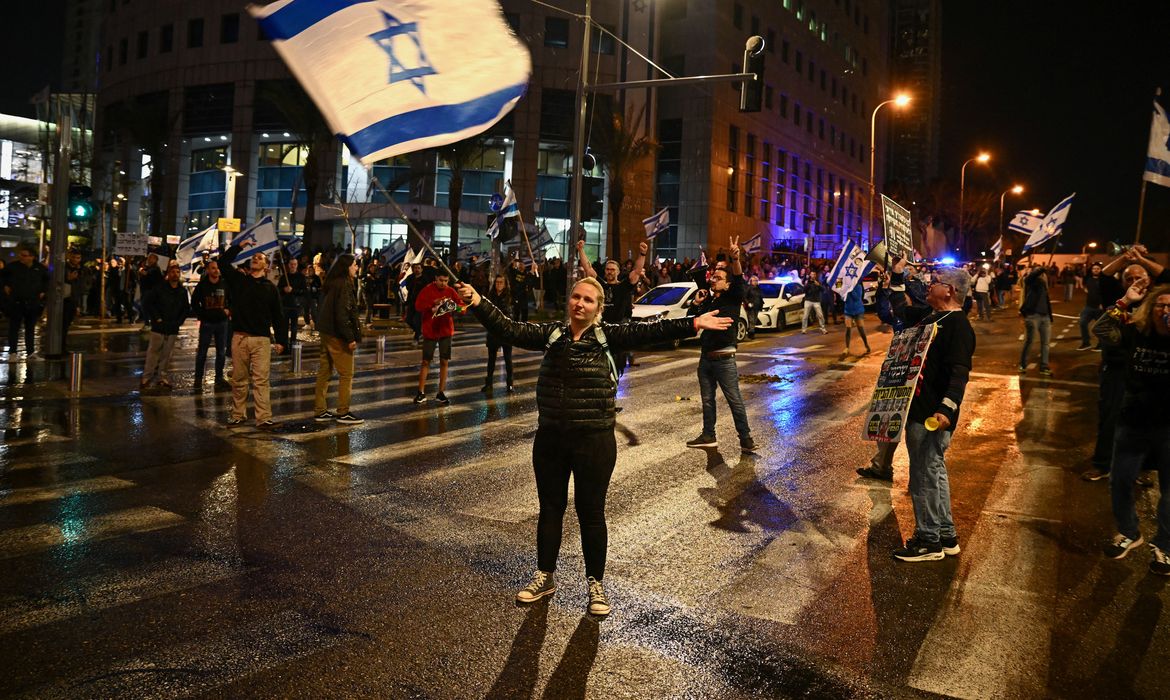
1143	315
592	282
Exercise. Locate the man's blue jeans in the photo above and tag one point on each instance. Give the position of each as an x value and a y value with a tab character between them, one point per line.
1133	447
724	373
209	331
930	489
1036	323
1088	315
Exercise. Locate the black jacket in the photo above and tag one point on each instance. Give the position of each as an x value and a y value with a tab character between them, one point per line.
255	303
26	283
576	388
1036	301
728	304
338	314
166	307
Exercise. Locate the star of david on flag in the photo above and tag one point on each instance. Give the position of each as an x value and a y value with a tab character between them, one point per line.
1025	222
753	244
1051	225
397	76
850	267
1158	156
656	223
263	237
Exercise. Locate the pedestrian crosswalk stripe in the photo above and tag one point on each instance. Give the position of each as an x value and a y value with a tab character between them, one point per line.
21	541
55	460
36	494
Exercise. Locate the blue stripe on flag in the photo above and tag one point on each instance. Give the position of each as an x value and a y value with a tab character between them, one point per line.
430	121
299	15
1157	167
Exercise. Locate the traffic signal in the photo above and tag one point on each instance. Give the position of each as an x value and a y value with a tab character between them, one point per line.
751	92
592	192
80	206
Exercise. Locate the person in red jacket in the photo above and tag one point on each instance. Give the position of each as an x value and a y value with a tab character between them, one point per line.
435	304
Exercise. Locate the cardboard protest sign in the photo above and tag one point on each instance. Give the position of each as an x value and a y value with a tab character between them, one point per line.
901	370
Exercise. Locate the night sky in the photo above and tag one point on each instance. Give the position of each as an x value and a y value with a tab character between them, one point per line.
1058	92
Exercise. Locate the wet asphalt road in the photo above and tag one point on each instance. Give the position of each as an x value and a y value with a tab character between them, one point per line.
149	552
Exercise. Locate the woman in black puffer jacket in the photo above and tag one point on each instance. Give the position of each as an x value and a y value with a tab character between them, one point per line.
575	396
500	295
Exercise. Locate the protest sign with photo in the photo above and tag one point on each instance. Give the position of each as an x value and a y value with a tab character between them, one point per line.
901	369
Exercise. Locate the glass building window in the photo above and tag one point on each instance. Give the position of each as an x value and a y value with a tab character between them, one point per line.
166	38
229	28
195	33
206	188
556	32
766	182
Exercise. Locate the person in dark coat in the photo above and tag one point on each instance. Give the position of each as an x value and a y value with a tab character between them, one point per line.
26	282
165	307
341	331
575	394
500	296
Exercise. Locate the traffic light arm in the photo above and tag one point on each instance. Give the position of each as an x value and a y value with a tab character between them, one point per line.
691	80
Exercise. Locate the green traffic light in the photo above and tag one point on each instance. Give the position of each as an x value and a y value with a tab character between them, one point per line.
80	211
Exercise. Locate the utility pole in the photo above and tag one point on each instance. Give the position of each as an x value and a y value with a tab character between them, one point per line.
55	332
578	158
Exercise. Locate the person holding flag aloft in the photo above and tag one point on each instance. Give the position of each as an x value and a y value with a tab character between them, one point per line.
619	292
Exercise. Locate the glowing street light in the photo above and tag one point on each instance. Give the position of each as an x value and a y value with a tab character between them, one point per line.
900	101
983	157
1017	189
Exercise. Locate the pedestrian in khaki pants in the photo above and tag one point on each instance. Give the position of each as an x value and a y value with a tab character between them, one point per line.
340	330
256	314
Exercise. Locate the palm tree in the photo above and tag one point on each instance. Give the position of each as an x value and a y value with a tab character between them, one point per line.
619	150
306	122
458	156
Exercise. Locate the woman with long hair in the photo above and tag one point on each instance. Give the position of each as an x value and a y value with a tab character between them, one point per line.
341	331
1142	434
500	295
575	394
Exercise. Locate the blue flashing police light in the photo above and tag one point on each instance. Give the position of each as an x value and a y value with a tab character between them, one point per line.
947	261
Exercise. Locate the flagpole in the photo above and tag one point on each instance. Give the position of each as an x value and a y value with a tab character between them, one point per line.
409	224
523	232
1137	236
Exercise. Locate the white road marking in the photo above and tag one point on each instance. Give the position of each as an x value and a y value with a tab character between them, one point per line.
31	539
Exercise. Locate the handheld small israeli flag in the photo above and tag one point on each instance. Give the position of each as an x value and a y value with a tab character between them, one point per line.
396	76
1052	224
542	239
1025	222
997	248
1158	156
752	245
509	208
656	223
701	262
294	245
189	248
850	267
396	252
263	237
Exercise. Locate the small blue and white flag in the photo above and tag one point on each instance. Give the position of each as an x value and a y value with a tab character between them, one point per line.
1158	157
997	248
263	237
752	245
397	76
396	252
1052	224
542	239
850	267
701	262
509	208
1025	222
493	229
189	248
656	223
294	245
466	250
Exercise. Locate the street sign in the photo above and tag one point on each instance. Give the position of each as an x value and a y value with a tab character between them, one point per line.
228	225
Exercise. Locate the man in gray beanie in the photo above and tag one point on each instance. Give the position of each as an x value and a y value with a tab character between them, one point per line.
934	411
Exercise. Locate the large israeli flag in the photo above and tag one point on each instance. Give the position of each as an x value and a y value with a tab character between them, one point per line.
207	239
1052	224
263	237
396	76
1158	156
850	267
1025	222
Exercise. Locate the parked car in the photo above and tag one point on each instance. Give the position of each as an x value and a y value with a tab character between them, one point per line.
783	303
672	300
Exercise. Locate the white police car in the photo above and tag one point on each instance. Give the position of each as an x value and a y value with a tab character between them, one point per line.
671	300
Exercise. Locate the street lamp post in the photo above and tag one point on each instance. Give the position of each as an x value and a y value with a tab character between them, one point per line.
1017	189
981	158
899	101
1085	248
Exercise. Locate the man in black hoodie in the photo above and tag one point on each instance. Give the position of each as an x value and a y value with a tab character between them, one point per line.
26	282
256	313
166	306
210	302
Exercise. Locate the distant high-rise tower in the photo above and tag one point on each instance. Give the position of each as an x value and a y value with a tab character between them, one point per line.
916	66
80	46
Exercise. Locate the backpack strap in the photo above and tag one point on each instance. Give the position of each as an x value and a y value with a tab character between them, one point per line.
600	335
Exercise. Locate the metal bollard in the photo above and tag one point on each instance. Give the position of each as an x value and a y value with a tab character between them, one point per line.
381	350
75	372
296	358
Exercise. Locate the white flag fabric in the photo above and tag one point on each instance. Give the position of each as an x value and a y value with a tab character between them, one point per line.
752	245
396	76
542	239
263	237
189	248
657	223
1052	224
997	248
1025	222
1158	156
850	267
396	252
